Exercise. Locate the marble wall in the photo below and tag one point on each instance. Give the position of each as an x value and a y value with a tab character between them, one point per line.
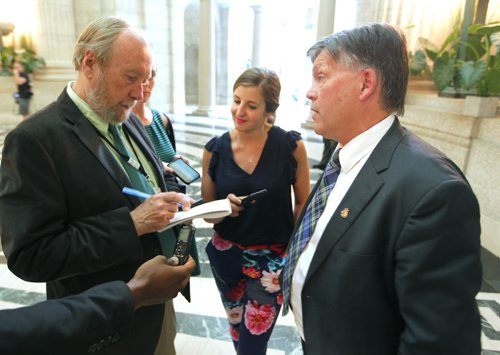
472	143
483	171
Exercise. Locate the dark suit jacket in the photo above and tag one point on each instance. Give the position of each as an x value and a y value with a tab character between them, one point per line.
397	273
63	217
78	324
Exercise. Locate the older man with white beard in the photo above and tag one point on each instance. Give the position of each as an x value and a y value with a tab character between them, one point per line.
63	217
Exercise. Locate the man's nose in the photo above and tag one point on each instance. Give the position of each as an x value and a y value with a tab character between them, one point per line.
137	92
311	94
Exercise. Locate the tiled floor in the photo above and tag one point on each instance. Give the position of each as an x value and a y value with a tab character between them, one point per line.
202	326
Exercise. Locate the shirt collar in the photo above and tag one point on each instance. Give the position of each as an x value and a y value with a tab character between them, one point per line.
87	111
363	144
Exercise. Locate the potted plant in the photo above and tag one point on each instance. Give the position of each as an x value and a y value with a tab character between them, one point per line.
30	60
444	70
27	56
482	74
6	53
476	76
7	56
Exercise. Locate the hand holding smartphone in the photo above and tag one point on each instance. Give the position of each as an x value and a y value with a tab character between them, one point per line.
184	171
252	197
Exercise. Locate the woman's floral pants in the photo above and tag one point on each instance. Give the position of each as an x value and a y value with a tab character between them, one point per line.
247	279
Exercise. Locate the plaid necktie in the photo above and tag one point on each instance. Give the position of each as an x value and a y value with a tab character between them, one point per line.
306	227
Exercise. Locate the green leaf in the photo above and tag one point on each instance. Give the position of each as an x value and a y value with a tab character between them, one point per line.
471	73
474	47
31	61
443	72
452	39
492	80
7	55
484	29
417	62
495	63
430	49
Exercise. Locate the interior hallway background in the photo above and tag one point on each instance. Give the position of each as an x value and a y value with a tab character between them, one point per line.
202	45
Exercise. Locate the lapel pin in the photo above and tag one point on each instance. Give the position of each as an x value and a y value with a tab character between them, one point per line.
344	213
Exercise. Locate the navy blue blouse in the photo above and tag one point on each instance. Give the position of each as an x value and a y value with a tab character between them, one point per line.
270	219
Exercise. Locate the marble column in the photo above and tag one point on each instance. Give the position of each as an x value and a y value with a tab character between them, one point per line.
177	92
326	18
156	23
223	88
206	69
55	38
257	32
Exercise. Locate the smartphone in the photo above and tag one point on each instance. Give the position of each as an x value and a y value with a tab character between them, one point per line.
186	235
184	171
252	197
197	203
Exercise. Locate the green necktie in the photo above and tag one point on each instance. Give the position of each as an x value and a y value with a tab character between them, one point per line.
131	166
139	182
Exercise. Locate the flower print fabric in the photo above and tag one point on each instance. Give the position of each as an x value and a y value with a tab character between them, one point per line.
235	335
258	319
234	314
236	293
248	283
251	272
270	281
221	244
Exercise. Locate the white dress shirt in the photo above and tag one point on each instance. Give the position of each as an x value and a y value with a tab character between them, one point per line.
353	157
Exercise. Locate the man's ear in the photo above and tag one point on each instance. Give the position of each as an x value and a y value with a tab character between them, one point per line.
89	64
369	83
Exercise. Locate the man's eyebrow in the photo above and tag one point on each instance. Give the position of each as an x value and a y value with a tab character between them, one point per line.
135	72
318	66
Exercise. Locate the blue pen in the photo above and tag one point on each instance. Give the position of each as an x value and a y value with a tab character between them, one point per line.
136	193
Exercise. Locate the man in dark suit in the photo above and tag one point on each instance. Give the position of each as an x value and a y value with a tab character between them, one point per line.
392	265
63	217
95	319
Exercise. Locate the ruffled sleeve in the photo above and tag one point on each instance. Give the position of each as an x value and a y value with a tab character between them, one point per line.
213	146
292	137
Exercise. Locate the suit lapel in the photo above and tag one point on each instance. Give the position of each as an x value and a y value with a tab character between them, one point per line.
88	135
366	185
86	132
362	191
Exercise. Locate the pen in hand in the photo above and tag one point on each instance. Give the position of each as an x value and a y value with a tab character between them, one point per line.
144	196
136	193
